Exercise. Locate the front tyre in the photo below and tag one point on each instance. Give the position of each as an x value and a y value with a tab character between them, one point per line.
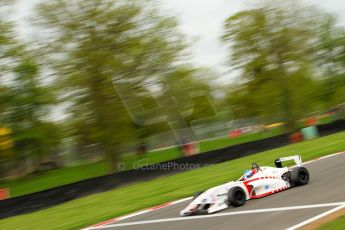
236	196
299	176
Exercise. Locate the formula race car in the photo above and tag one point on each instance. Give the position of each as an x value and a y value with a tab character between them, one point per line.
255	183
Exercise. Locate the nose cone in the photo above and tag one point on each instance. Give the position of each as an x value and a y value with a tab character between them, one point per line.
189	210
186	212
182	213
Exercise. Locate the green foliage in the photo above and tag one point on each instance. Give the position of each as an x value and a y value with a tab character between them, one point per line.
25	109
277	51
291	65
191	94
10	49
96	46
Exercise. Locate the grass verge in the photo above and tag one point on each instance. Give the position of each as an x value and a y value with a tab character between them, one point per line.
99	207
338	223
58	177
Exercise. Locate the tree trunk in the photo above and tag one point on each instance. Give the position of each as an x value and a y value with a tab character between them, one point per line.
113	157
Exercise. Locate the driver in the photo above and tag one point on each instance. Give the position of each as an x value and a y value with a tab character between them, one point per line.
249	173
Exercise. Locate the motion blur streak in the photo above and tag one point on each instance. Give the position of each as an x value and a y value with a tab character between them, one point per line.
103	86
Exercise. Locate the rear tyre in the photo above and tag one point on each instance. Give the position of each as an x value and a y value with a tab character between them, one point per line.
236	196
299	176
196	195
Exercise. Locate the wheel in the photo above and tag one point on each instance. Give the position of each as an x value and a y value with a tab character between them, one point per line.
299	176
196	195
236	196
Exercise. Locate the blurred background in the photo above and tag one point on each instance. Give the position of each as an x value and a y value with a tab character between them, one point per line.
86	85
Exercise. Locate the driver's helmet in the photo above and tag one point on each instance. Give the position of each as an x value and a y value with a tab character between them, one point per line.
249	173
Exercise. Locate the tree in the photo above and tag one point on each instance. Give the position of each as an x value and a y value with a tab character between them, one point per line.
27	107
10	51
274	48
10	47
181	96
185	97
94	46
331	63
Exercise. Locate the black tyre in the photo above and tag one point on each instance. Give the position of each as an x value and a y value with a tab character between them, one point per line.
299	176
236	196
196	195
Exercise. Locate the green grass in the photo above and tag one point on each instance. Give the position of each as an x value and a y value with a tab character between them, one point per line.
99	207
337	224
327	119
223	142
54	178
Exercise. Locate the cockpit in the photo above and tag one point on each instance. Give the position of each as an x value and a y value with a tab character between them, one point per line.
250	173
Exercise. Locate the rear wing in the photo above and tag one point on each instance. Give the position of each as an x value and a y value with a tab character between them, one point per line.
297	159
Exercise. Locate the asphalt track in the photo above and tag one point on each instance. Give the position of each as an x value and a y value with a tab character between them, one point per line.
285	210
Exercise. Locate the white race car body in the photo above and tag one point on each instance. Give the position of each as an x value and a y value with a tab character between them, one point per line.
267	181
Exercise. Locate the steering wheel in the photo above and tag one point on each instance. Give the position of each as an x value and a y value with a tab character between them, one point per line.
256	166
